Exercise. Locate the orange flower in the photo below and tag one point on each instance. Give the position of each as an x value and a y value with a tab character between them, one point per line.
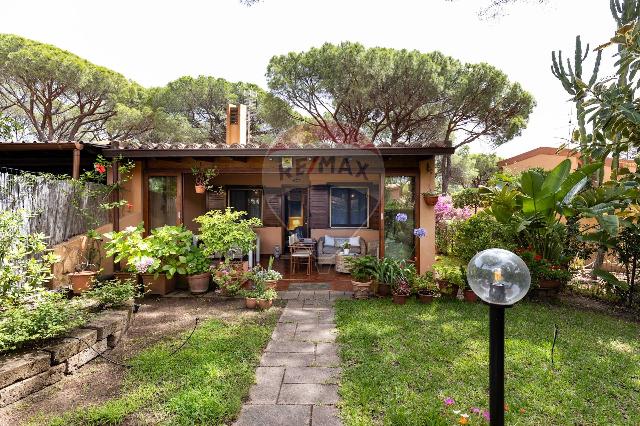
463	420
506	407
522	411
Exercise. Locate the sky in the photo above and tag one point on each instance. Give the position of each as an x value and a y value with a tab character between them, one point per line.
154	42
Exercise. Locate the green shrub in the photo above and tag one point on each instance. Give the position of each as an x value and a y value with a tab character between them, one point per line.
45	315
112	293
480	232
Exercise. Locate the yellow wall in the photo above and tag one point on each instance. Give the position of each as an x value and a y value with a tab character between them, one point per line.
545	161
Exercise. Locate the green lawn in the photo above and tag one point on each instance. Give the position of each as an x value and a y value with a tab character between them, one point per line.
204	383
401	362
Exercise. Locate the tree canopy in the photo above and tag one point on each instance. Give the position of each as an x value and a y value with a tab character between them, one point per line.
398	96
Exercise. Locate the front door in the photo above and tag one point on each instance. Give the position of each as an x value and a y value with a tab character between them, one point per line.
295	214
164	195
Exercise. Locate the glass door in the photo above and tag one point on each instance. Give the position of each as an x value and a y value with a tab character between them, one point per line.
164	200
399	217
295	213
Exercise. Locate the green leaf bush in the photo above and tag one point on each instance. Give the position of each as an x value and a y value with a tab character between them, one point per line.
225	231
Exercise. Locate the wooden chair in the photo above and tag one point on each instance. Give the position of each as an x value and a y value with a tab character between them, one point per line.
299	253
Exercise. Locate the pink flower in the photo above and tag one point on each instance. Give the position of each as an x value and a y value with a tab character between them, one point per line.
486	415
475	410
449	401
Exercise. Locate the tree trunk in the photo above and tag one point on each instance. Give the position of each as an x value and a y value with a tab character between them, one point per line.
597	264
446	172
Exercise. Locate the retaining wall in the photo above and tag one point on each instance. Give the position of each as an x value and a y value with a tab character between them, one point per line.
28	372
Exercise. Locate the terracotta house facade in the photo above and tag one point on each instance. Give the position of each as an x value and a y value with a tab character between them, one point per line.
308	191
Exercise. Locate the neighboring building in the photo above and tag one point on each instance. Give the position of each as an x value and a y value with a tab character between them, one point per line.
548	158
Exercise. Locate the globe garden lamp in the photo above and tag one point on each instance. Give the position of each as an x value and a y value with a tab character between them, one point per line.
501	279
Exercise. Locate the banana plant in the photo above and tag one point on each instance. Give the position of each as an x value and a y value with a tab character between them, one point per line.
536	203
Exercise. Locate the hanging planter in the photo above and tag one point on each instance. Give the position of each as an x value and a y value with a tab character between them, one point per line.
430	198
204	178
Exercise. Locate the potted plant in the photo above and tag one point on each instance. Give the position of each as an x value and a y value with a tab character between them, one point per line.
204	178
198	268
430	197
272	276
425	287
387	273
168	247
226	233
228	278
363	269
124	246
345	247
468	294
266	297
448	278
87	268
401	292
250	298
546	275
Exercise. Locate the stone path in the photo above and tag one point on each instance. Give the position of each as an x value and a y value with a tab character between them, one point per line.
297	381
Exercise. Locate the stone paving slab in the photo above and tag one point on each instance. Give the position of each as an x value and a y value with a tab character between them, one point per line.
308	393
320	375
274	415
290	346
324	415
267	387
275	359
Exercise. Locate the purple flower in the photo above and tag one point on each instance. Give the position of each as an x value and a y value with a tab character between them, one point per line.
476	410
143	264
449	401
420	232
401	217
486	415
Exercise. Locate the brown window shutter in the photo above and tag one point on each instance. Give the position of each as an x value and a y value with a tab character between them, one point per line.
319	207
272	208
374	207
216	200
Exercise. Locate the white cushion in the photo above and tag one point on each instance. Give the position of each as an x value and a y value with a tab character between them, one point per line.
329	241
354	241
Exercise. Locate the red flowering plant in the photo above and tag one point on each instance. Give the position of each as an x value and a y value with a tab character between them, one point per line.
543	269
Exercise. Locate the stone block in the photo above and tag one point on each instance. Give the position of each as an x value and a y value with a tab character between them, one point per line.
19	390
108	322
21	366
84	356
308	394
66	347
274	415
114	339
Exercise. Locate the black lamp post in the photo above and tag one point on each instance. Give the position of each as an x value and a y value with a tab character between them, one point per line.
501	279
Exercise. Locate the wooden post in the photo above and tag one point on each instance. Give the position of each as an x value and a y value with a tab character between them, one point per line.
75	171
115	196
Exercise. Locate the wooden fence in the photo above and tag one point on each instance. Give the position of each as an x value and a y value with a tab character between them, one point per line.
48	204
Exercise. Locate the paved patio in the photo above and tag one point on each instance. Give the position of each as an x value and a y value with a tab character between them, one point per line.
297	381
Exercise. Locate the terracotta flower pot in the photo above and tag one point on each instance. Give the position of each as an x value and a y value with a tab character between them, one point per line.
360	289
200	189
81	281
160	286
469	296
431	200
425	297
264	303
399	299
250	302
384	289
549	284
199	284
